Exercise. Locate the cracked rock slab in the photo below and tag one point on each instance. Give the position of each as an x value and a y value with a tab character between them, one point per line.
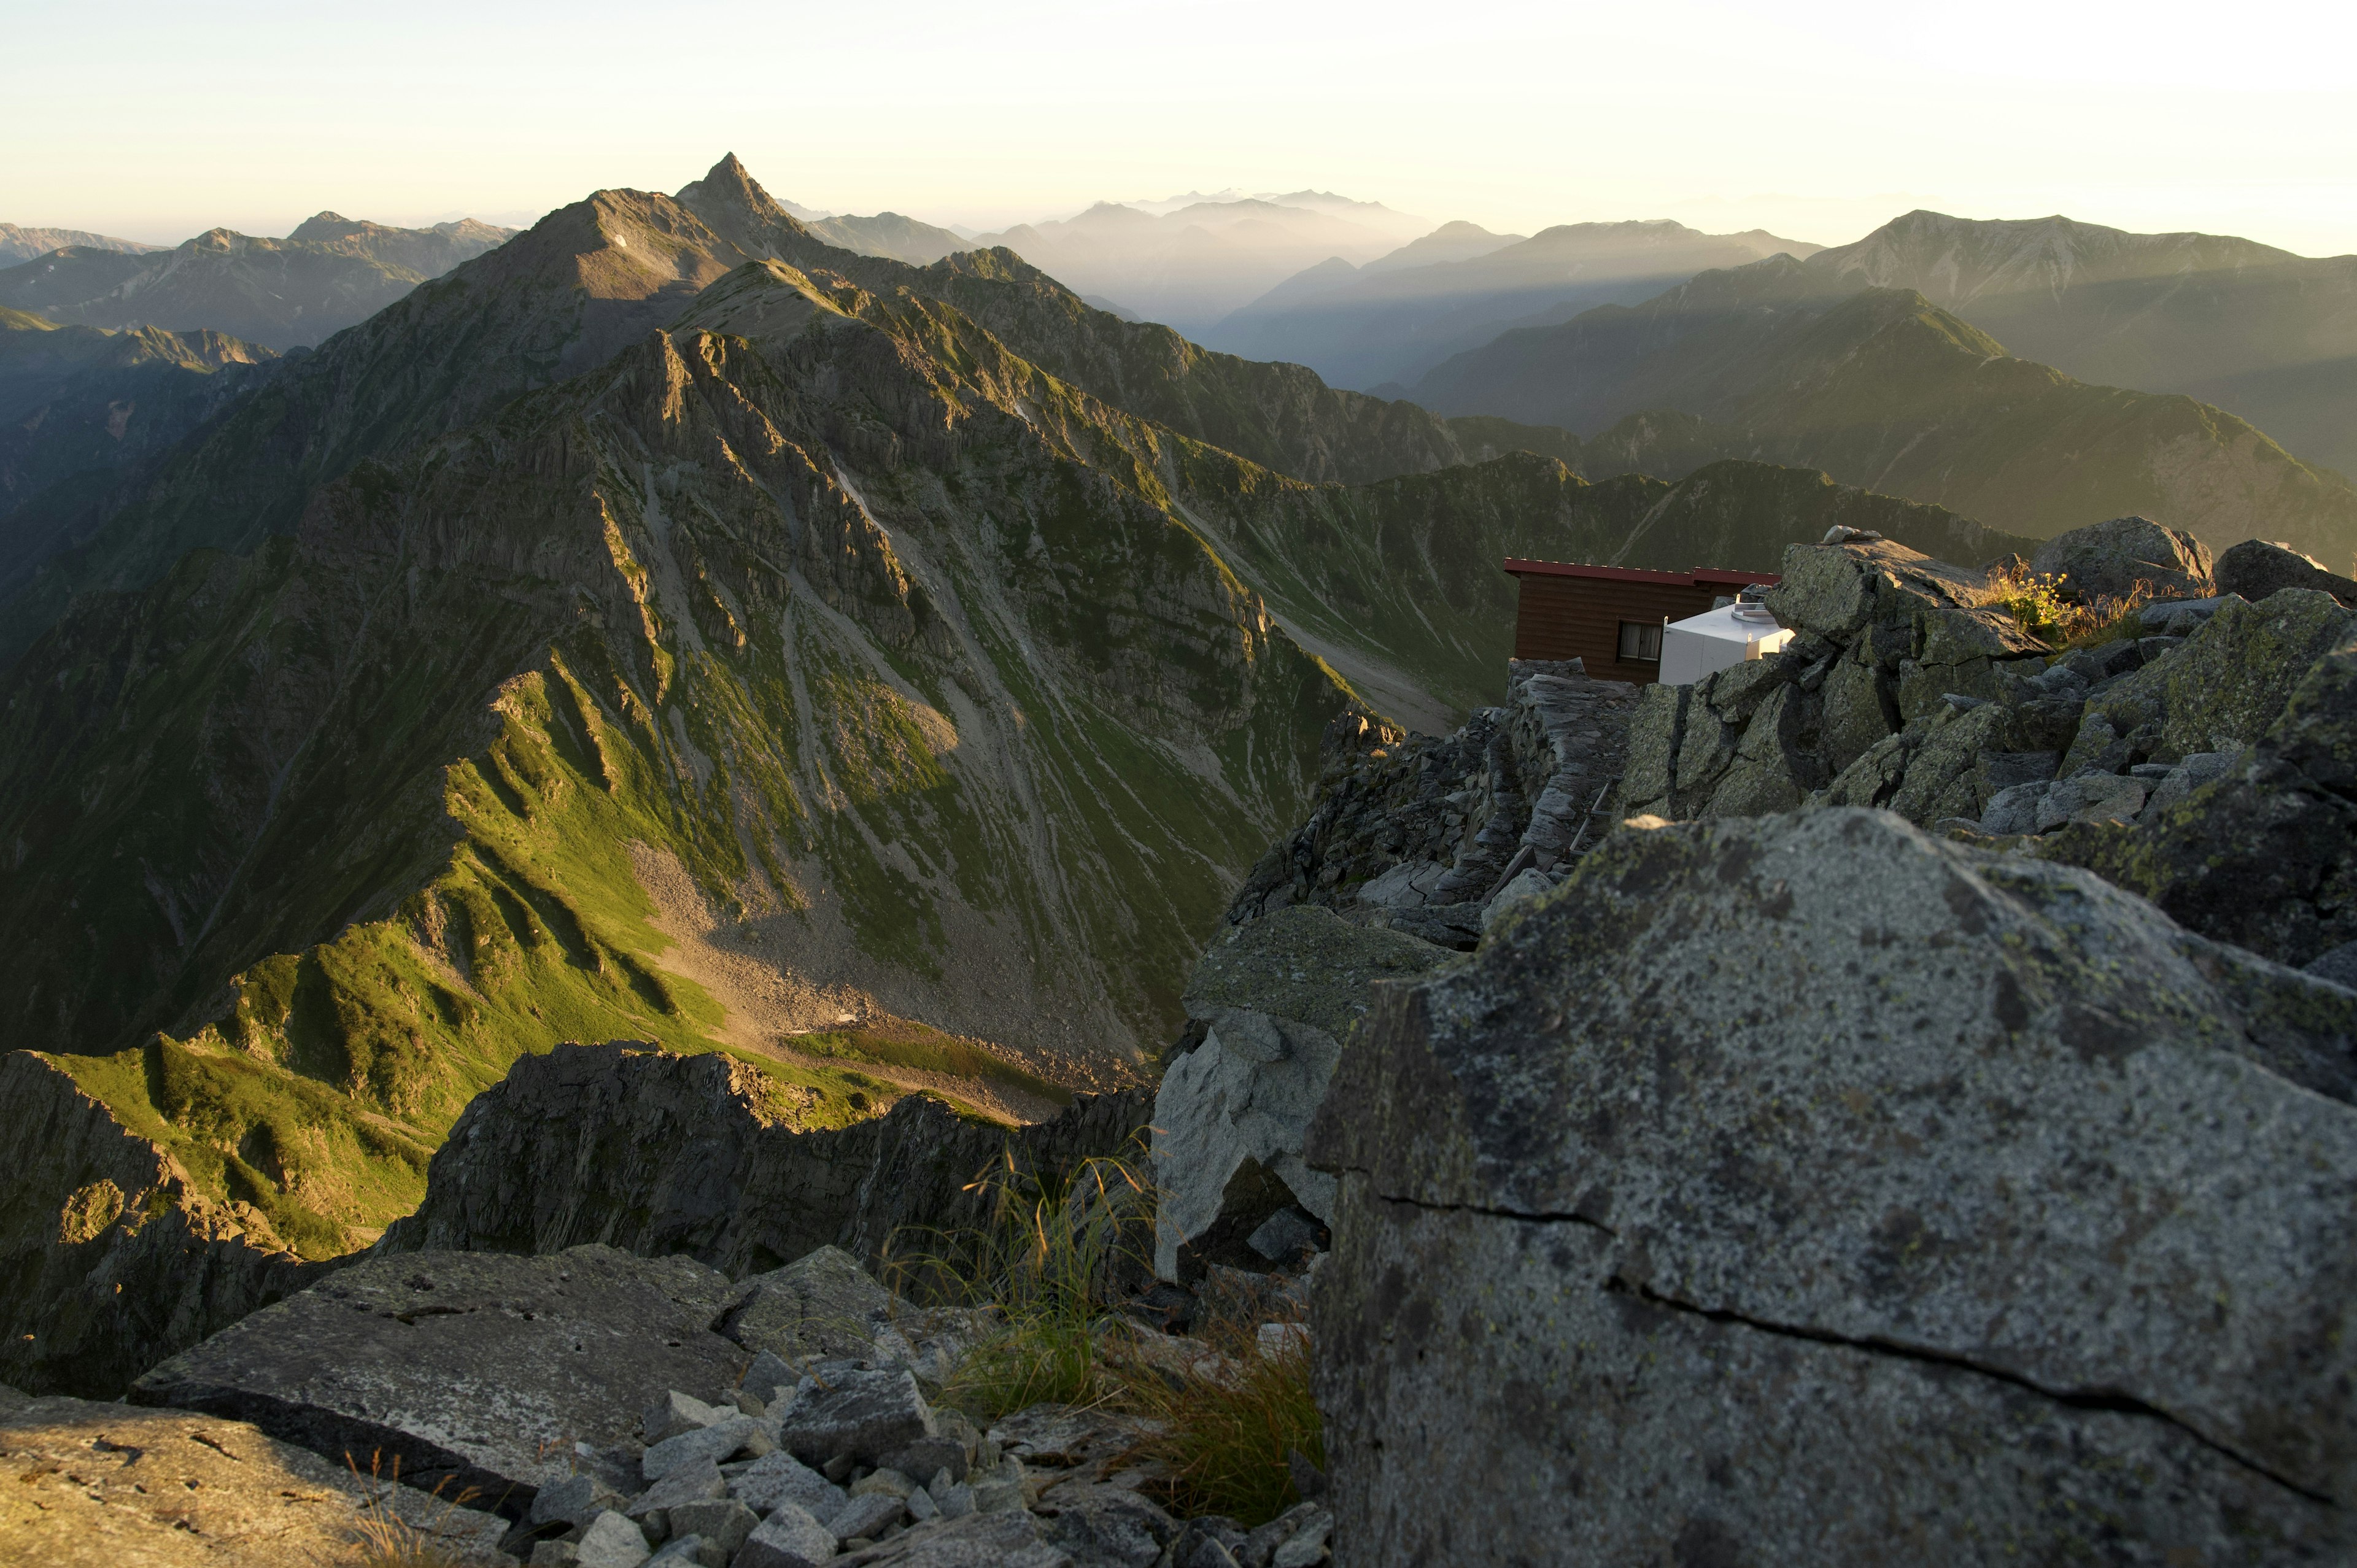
107	1485
475	1371
1826	1080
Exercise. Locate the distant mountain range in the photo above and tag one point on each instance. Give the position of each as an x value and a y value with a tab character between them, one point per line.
2260	332
1190	265
298	292
83	410
1788	361
17	244
1386	323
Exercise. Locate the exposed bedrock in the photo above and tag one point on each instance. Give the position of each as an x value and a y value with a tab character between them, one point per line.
658	1153
1805	1188
109	1258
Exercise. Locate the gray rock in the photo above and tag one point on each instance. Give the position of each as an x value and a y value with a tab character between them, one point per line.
2111	560
555	1553
865	1515
692	1483
1976	1202
573	1499
780	1478
943	1455
1283	1234
978	1541
687	1160
866	1414
475	1370
770	1375
2229	682
687	1549
723	1521
823	1303
1515	896
704	1446
2165	614
2014	811
2256	569
1106	1525
1277	996
673	1413
920	1505
789	1538
954	1499
2091	798
611	1541
2339	966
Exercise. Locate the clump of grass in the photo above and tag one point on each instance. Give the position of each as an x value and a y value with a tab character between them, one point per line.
1228	1426
384	1538
1049	1261
2035	601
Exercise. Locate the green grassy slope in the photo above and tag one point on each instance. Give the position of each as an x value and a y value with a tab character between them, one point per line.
891	640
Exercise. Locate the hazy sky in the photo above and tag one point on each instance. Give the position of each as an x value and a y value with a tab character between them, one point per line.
1815	119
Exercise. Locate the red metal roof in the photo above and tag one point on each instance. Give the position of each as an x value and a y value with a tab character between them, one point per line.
1710	576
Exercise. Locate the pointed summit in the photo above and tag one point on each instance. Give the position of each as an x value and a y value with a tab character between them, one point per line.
732	202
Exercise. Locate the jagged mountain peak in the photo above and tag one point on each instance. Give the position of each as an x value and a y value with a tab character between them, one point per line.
733	203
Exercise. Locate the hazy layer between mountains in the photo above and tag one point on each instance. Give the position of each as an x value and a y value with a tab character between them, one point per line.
925	622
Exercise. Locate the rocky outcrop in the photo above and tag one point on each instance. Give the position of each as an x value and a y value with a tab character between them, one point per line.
1988	1215
110	1260
479	1373
1276	998
625	1410
1420	833
2254	841
658	1153
2257	568
1908	687
107	1485
2113	560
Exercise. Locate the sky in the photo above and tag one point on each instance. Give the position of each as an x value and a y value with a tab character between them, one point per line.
1816	121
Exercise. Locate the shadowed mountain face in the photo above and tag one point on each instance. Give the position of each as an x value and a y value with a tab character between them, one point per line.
82	410
2263	334
1396	317
1779	362
281	294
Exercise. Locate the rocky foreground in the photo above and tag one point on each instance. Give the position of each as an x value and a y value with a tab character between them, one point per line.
1868	1167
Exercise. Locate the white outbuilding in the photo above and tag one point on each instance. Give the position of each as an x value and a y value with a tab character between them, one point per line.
1698	645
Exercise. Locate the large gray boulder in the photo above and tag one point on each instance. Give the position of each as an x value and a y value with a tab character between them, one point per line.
473	1371
1276	997
2256	568
1803	1188
2111	560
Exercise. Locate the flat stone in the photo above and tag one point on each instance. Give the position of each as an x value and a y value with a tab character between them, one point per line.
789	1538
111	1486
769	1376
478	1371
1932	1143
978	1541
866	1414
612	1542
673	1413
724	1521
1108	1525
573	1499
705	1445
865	1515
700	1481
780	1478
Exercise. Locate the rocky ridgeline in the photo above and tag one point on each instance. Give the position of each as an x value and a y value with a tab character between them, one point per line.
1421	834
621	1409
